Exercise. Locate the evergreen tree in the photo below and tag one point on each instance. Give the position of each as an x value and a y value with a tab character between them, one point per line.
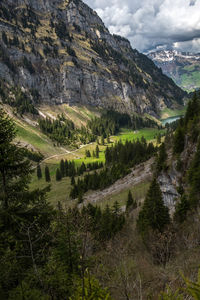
47	174
21	212
66	168
194	178
97	151
162	157
129	201
39	172
58	175
158	138
154	214
80	197
72	180
179	140
62	168
181	209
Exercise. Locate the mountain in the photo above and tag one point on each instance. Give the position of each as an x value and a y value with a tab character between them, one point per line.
61	51
182	67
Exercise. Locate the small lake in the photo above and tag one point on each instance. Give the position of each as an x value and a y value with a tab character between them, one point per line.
170	119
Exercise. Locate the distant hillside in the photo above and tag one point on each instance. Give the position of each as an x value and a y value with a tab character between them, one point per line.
62	51
182	67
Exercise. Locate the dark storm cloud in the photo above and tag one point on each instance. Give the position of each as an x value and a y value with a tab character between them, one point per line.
149	23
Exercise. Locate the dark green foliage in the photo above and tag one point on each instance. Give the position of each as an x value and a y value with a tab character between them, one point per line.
62	168
87	153
22	101
59	130
39	172
72	180
179	140
58	175
130	203
47	174
182	209
100	180
193	109
97	151
154	214
111	121
104	224
24	215
119	159
194	178
32	155
64	132
130	153
162	157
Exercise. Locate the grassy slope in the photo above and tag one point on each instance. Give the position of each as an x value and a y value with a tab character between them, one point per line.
60	190
167	112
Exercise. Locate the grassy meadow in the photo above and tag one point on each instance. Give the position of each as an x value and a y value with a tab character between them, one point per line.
60	190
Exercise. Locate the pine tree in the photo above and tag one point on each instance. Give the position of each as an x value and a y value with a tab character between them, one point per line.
162	157
80	197
97	151
181	209
72	180
194	178
129	201
14	168
66	167
47	174
179	140
154	214
58	175
20	210
62	168
39	172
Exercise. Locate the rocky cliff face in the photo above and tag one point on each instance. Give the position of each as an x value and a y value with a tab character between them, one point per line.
182	67
62	49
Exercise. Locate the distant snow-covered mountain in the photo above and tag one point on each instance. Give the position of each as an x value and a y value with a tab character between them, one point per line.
182	67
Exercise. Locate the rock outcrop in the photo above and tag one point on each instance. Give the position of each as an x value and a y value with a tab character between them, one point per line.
62	49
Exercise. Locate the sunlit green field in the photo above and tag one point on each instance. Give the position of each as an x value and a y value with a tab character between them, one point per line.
130	135
60	190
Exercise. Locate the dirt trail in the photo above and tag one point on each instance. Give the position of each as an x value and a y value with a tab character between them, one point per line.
65	153
137	175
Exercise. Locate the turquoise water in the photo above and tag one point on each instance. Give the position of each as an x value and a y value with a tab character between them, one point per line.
170	119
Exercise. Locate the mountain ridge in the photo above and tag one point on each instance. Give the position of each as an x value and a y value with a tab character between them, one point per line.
182	67
69	56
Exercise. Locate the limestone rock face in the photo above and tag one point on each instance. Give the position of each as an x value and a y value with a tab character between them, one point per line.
62	49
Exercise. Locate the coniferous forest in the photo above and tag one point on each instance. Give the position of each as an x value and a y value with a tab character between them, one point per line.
99	195
52	253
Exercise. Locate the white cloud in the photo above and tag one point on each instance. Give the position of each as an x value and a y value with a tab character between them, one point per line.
149	23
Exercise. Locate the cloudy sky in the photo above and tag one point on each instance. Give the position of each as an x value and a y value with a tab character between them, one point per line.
153	23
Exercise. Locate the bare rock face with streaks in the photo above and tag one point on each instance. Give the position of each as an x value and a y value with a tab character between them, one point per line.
62	49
